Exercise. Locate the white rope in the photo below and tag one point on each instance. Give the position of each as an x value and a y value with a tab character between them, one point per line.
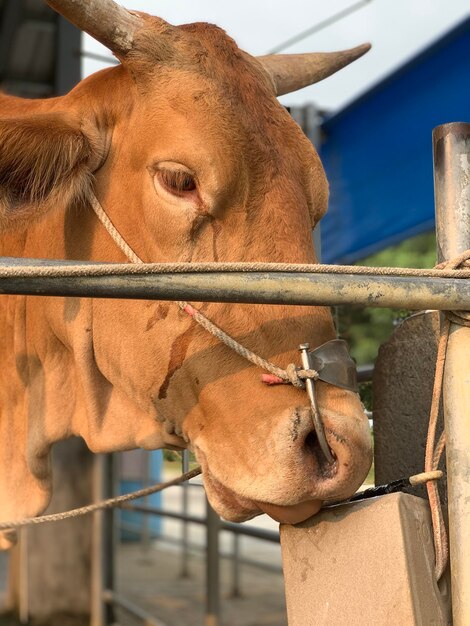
291	374
98	506
113	231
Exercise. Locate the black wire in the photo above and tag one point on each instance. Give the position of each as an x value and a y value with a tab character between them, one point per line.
381	490
282	46
320	26
99	57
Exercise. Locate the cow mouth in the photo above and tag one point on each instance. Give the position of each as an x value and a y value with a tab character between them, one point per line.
235	508
284	473
227	503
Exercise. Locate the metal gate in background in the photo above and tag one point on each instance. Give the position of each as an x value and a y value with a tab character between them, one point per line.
115	526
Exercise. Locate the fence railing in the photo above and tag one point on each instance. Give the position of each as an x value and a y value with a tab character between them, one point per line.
214	526
452	173
317	287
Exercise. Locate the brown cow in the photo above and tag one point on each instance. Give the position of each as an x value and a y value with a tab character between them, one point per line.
193	159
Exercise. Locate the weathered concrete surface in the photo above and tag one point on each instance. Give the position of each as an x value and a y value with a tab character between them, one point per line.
403	383
52	577
369	563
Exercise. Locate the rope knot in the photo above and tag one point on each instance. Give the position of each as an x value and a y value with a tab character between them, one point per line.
297	376
461	262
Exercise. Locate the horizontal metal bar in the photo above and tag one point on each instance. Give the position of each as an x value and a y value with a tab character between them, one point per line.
104	58
277	569
150	510
129	528
111	597
365	373
247	531
296	288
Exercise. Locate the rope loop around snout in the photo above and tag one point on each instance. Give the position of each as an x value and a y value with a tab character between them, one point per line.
297	376
291	375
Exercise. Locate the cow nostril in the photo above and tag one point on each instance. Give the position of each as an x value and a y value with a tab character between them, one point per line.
311	444
313	450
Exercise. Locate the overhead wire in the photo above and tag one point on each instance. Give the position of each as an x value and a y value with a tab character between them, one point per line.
105	58
329	21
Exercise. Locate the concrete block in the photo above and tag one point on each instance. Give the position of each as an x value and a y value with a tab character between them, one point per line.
368	563
50	575
403	383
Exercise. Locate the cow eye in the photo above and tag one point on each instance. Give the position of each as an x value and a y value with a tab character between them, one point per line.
175	181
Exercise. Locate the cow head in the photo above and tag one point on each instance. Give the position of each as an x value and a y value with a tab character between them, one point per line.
193	159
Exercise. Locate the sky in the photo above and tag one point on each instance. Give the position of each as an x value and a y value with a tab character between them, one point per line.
397	29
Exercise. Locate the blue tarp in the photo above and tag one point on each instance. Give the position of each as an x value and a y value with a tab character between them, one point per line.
377	152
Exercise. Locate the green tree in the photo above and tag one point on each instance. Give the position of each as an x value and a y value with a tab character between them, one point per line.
365	329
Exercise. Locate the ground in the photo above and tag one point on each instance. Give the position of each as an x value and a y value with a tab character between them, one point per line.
152	580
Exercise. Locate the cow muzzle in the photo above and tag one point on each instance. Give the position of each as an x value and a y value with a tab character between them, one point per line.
314	452
333	365
278	466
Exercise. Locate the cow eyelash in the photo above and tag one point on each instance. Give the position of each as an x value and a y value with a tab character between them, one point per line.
177	182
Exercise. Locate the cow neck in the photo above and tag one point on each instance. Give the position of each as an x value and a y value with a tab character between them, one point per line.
302	378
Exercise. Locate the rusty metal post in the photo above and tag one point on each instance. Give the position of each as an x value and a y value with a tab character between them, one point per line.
452	196
23	604
212	617
98	607
102	545
145	538
236	587
185	510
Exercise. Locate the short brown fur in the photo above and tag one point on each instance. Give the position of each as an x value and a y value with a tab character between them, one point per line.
186	100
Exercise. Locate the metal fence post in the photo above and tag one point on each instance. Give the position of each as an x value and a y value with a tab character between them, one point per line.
109	539
23	604
185	529
236	587
145	538
452	195
102	545
212	568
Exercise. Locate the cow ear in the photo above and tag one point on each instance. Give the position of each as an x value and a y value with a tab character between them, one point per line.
46	163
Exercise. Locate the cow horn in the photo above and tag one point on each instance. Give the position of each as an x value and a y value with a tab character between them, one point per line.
104	20
294	71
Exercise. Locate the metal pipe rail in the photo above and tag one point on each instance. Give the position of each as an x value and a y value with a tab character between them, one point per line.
111	598
246	531
297	288
228	556
365	373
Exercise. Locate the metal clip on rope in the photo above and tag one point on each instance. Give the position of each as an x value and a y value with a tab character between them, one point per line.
317	421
